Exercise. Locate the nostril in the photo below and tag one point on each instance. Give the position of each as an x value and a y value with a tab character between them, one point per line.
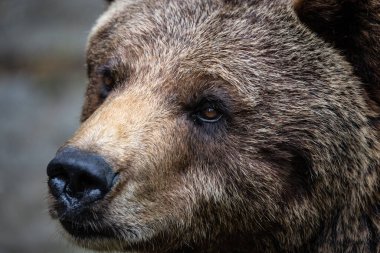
58	178
57	184
85	184
79	176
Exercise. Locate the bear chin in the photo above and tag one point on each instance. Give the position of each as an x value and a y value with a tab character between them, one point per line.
98	243
101	238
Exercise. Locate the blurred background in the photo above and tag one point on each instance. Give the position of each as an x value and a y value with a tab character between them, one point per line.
42	82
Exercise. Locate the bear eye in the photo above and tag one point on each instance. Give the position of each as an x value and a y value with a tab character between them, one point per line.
107	83
208	114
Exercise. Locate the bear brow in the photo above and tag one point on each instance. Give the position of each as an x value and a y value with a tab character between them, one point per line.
115	66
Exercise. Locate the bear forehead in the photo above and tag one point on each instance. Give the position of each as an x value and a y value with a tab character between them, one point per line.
202	36
170	17
257	45
180	39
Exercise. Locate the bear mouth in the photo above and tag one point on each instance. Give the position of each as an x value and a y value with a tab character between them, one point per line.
82	223
88	230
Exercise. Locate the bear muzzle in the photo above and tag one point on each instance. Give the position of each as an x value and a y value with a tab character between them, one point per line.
77	179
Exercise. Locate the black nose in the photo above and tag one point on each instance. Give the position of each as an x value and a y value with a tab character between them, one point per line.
79	177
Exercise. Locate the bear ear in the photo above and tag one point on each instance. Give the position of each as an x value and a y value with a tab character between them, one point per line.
353	27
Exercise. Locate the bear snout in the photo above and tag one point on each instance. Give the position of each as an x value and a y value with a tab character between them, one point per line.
78	178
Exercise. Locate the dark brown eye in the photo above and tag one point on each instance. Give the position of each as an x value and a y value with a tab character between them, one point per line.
209	115
108	80
105	91
107	83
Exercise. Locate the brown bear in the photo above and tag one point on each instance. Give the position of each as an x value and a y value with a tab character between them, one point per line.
226	126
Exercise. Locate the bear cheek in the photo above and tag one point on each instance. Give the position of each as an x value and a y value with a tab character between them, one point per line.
155	187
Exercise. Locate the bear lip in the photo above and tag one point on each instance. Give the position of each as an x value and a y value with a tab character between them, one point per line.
82	222
81	231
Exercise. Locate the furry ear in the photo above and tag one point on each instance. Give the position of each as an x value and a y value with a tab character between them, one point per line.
352	26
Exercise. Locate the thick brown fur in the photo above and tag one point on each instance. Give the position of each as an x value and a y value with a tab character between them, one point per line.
293	164
353	26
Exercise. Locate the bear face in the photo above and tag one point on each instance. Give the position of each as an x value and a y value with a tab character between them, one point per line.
219	126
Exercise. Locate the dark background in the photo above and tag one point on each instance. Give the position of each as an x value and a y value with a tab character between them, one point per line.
42	82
